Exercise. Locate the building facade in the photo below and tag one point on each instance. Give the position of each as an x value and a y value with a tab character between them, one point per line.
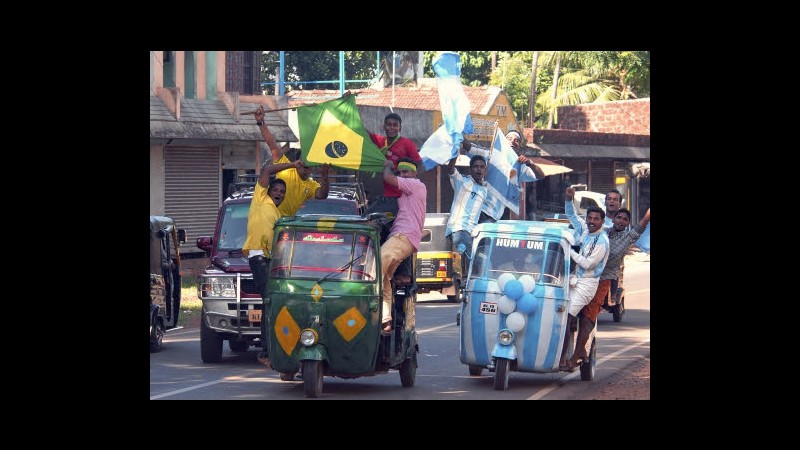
199	139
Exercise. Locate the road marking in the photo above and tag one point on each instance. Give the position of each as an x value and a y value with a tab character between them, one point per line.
436	328
181	391
232	377
542	392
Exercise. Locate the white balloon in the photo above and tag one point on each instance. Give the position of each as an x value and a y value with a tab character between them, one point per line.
503	279
528	283
506	305
515	322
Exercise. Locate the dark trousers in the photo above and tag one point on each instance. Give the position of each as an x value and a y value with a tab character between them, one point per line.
259	267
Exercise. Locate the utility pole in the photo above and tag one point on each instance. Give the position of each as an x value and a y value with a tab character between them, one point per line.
532	100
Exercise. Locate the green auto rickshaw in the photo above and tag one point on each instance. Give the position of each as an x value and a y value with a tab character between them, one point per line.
324	303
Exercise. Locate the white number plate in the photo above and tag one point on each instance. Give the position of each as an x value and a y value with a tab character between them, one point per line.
488	308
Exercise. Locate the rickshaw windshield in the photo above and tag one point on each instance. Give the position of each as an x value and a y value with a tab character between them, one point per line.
233	229
542	260
316	254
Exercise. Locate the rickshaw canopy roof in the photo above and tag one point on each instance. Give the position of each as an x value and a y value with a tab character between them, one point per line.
321	221
158	223
552	229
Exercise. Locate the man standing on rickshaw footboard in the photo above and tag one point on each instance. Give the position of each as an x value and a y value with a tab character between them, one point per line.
590	261
406	232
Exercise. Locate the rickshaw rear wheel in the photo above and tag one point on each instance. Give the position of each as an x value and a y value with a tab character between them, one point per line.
408	371
157	338
587	368
618	310
501	374
312	378
454	298
475	371
210	343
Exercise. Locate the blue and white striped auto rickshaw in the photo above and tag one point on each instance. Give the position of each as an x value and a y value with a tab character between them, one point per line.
514	305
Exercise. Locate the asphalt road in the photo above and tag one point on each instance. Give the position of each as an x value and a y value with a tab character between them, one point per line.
177	372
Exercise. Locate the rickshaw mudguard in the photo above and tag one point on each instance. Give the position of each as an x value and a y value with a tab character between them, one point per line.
314	353
504	351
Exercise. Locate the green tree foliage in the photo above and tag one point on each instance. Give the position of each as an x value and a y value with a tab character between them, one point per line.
592	77
319	66
584	77
476	67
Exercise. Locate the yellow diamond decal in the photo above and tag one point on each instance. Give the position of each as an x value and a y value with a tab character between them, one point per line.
316	292
287	331
350	323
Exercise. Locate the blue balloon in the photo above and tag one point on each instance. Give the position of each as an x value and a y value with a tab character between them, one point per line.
513	289
528	304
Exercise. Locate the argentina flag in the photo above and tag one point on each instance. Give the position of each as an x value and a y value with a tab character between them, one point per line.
444	144
501	172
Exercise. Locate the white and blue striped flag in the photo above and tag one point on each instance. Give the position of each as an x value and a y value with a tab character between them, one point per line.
501	172
443	145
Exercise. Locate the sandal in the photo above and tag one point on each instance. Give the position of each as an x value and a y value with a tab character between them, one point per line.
386	328
573	363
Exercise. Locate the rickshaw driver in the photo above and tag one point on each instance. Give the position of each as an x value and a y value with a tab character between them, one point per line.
406	231
591	261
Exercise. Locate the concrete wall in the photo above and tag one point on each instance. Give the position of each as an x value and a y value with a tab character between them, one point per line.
626	116
561	136
156	179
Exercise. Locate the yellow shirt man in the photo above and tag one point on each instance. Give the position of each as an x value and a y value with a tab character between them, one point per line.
261	223
297	189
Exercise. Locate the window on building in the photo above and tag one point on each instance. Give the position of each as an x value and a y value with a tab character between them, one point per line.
243	72
169	68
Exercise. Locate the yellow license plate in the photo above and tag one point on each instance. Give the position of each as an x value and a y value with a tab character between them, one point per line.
254	315
441	274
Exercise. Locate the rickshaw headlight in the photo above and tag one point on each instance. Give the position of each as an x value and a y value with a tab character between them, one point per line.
309	337
506	337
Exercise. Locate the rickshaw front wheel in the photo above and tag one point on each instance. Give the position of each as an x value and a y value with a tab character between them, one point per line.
501	374
312	378
475	371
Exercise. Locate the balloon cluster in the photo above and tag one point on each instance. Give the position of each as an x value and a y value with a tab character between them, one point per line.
517	300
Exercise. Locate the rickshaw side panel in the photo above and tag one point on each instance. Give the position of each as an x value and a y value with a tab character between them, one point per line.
538	345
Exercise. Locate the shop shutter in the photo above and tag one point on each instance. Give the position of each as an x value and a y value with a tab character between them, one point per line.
192	190
602	177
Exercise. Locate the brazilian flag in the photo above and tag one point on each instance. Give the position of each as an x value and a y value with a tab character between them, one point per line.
332	132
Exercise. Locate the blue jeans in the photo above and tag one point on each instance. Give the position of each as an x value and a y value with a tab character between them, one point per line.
465	238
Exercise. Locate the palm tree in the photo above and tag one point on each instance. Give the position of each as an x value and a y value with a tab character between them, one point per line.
590	77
